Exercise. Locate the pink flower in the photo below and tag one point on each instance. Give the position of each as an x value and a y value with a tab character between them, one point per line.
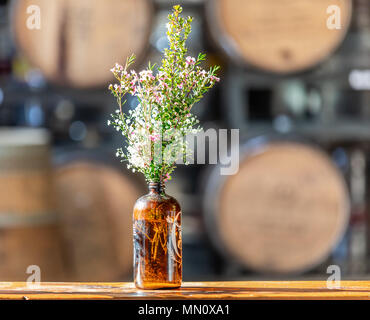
146	75
118	88
154	137
190	60
158	99
118	67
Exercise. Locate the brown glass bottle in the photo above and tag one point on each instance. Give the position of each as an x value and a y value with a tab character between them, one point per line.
157	240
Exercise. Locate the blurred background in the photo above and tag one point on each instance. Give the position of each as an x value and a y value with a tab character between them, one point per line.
295	80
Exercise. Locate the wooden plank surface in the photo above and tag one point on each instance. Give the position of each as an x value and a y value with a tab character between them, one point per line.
190	290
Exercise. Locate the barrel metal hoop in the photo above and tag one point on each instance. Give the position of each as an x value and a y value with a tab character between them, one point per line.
8	219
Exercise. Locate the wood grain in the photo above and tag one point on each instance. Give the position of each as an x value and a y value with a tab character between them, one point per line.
283	212
95	203
29	233
292	290
280	36
80	40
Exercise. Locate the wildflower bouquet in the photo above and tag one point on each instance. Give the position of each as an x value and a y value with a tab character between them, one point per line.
166	95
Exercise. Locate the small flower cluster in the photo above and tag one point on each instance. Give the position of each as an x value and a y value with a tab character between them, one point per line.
155	129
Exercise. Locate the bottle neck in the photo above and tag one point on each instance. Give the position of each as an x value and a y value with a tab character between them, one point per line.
156	187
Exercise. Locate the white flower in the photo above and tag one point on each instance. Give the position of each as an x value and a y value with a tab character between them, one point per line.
190	60
146	75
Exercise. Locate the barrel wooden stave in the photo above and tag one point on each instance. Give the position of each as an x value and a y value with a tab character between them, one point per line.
31	245
80	40
277	36
28	220
95	202
283	212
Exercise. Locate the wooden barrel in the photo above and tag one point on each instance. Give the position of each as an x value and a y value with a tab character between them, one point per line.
29	233
283	212
95	202
280	36
79	41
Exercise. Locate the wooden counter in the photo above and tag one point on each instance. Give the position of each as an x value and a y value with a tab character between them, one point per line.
190	290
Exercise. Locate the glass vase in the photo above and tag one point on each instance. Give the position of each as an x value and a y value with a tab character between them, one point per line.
157	240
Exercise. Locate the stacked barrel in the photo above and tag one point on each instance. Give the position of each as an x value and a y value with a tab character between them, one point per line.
79	41
69	215
71	219
283	212
29	226
279	36
287	208
95	201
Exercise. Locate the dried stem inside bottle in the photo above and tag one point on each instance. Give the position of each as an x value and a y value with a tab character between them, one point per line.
157	241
